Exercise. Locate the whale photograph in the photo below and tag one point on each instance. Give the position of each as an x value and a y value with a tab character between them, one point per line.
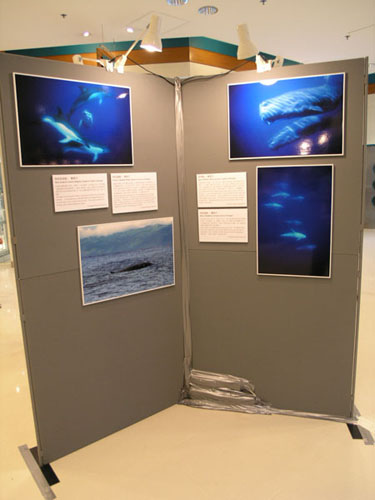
289	117
125	258
72	123
294	220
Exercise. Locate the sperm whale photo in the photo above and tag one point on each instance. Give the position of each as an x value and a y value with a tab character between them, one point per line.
287	117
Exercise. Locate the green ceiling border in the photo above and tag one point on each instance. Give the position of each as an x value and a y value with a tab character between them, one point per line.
198	42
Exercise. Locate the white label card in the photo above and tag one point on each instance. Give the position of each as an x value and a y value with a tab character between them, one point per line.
223	225
80	192
222	190
136	192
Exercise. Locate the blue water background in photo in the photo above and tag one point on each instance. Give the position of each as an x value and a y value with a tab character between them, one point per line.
250	136
294	237
97	115
104	260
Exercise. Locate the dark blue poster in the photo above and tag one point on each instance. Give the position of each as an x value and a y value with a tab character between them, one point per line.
288	117
295	220
72	123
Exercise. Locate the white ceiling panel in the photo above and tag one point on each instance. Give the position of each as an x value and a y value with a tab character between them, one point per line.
303	30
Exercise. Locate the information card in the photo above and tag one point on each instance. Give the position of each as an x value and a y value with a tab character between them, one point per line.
223	226
222	190
135	192
79	192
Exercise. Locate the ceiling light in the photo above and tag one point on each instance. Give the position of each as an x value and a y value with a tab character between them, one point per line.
86	33
246	48
152	41
177	2
129	29
208	10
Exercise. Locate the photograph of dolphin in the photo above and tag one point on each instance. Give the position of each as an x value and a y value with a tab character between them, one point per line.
288	117
72	123
297	239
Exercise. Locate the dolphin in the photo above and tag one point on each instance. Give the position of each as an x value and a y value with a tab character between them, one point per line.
299	103
87	148
64	128
281	194
87	119
275	205
294	222
307	247
294	234
86	96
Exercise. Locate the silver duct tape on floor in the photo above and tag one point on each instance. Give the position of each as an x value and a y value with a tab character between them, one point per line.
216	391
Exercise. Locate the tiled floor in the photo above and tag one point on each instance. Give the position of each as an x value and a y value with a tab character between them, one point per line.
183	453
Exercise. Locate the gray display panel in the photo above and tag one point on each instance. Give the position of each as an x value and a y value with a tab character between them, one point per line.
296	339
92	370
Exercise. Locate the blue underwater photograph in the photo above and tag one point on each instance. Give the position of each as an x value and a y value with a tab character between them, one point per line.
294	220
125	258
72	123
288	117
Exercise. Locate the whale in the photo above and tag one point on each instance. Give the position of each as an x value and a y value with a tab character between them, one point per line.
297	130
299	103
133	267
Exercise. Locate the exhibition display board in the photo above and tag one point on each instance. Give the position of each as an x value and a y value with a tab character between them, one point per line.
97	368
293	337
99	238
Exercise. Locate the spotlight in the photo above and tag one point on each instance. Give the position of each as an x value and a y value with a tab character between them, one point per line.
152	41
246	48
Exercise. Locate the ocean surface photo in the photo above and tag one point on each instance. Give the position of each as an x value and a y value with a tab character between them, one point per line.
72	123
289	117
294	220
125	258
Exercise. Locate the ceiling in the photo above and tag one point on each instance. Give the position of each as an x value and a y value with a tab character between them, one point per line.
302	30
